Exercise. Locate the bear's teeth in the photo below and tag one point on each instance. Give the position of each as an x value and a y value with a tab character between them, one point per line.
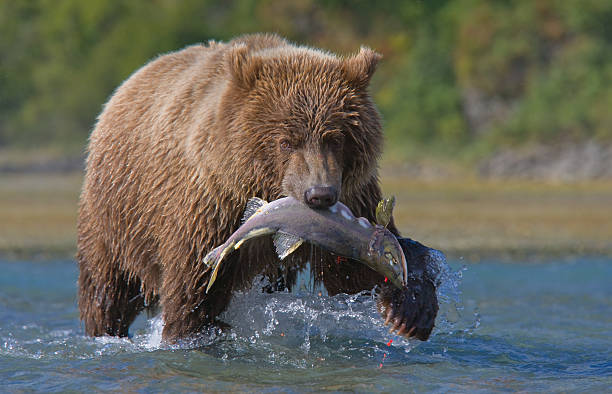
346	214
365	223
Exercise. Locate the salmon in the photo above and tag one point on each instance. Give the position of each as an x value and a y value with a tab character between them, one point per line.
335	229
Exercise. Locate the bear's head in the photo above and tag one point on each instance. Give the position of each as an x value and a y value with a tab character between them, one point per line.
311	126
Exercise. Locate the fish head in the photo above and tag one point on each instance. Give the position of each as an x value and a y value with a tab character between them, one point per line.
388	256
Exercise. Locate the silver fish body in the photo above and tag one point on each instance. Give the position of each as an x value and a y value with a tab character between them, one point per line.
335	229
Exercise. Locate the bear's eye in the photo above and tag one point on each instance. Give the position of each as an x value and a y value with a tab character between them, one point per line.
336	143
285	145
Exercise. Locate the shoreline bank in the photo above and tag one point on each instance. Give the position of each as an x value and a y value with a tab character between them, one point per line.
469	218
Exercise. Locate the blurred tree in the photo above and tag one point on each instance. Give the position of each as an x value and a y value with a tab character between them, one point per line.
456	73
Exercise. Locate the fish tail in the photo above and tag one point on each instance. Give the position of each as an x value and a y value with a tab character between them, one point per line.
214	261
211	257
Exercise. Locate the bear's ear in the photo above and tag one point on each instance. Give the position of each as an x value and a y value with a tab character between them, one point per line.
243	67
359	69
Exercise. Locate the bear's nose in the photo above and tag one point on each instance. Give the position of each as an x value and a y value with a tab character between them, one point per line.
321	196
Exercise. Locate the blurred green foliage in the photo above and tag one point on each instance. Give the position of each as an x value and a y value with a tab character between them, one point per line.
458	75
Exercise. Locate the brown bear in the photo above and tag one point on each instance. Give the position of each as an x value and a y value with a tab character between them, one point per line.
184	143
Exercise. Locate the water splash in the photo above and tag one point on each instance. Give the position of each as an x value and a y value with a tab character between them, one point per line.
338	343
453	314
296	329
284	327
153	336
309	316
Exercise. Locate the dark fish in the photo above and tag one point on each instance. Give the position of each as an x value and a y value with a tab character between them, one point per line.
335	229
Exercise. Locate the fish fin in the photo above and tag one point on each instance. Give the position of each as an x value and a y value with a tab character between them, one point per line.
217	264
253	205
384	211
227	250
286	243
213	277
258	232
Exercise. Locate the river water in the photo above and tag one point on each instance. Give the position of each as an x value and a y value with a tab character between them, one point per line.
510	326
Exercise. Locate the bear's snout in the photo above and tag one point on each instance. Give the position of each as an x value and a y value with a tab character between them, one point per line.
319	197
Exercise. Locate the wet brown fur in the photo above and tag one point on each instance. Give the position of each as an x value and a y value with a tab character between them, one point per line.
185	142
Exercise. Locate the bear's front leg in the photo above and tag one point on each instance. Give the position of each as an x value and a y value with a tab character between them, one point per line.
412	311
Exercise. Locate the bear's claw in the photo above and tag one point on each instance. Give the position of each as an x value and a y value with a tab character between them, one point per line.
411	311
